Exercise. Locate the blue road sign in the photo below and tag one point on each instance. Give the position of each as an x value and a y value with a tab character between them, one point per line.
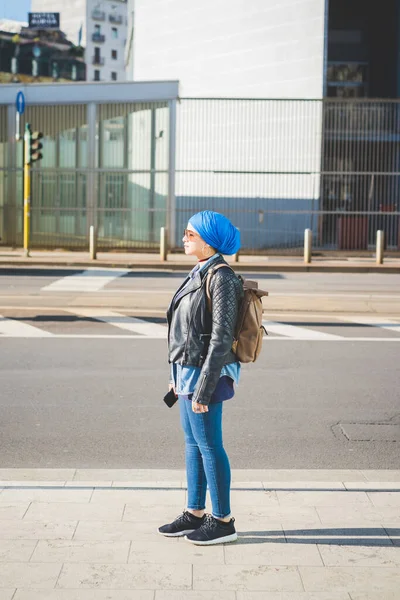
20	103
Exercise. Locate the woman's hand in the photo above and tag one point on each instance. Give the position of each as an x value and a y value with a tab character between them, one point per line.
199	408
171	387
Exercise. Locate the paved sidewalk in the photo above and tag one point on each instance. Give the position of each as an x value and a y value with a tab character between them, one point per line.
82	534
132	260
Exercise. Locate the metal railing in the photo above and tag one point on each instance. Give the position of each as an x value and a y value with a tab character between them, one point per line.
116	19
98	37
98	15
98	60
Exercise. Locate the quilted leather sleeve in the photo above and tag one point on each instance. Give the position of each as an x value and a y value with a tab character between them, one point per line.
226	293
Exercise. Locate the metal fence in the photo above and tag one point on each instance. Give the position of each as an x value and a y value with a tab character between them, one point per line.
274	167
277	167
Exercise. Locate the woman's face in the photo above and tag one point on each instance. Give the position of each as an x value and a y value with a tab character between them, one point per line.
194	244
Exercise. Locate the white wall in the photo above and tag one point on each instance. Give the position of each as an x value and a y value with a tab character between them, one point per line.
232	48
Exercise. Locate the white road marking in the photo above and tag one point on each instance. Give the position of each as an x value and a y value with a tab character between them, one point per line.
91	280
381	322
123	322
15	328
294	332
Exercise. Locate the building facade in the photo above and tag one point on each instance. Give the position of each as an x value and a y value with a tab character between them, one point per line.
339	155
30	56
98	25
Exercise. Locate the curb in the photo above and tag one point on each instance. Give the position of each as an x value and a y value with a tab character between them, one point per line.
239	267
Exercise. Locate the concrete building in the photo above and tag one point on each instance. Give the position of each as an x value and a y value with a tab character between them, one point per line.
103	33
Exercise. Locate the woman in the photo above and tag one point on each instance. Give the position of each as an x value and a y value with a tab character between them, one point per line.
203	371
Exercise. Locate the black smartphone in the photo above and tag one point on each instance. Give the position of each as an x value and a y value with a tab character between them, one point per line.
170	398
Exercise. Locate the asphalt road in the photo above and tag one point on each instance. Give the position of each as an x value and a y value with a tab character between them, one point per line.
96	401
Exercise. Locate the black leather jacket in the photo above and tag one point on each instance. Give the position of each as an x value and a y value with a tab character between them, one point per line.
199	339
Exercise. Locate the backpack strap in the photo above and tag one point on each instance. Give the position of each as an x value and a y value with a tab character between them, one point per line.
210	273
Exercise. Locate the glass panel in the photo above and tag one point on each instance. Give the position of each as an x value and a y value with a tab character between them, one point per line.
113	143
68	148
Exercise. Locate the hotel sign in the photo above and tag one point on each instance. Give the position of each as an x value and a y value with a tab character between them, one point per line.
44	20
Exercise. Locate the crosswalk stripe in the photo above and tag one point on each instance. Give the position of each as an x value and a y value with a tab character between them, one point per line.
381	322
15	328
123	322
90	280
301	333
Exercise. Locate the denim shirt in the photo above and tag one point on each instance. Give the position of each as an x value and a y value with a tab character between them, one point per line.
185	377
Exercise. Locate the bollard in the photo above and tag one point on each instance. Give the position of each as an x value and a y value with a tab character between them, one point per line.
163	244
92	242
307	245
380	242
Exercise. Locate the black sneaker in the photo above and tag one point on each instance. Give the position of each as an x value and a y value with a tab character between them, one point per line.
213	531
184	524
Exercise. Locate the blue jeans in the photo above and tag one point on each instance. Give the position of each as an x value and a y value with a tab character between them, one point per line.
206	460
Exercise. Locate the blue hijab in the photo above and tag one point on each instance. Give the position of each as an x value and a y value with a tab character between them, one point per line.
217	231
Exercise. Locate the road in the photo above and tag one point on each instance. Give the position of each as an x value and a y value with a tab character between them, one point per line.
83	370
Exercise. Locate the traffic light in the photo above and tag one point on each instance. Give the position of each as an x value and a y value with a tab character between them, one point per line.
35	146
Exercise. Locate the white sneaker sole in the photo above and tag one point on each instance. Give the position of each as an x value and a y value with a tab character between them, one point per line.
178	534
224	540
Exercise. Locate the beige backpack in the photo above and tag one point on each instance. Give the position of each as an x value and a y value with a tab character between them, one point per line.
249	329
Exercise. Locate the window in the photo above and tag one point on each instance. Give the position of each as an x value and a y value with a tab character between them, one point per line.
114	33
347	79
114	54
97	29
97	75
113	76
97	54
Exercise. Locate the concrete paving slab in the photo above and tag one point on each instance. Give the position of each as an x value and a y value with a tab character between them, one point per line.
246	577
148	484
8	594
292	596
372	485
117	531
84	595
13	510
384	499
382	596
193	595
45	495
28	575
19	474
305	485
36	530
60	551
379	475
129	474
326	498
74	511
16	550
356	556
374	580
176	553
352	514
139	497
248	499
28	483
272	555
132	576
91	484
